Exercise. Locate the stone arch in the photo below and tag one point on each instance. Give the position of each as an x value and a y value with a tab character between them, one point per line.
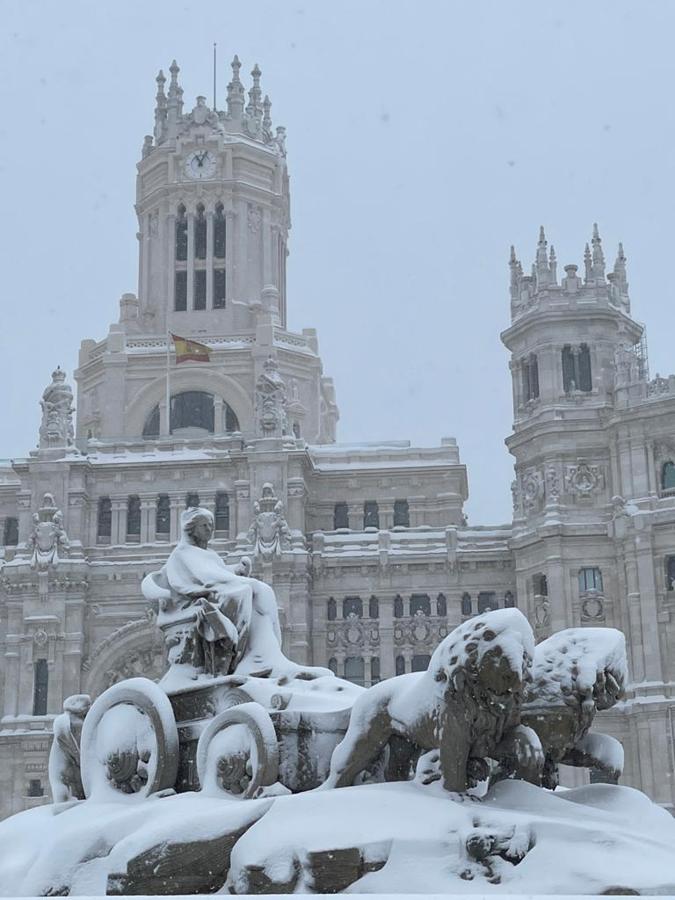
191	378
136	648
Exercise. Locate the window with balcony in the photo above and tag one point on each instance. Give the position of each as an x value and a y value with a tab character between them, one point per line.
401	514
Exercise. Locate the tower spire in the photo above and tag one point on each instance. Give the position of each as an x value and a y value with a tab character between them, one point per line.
235	92
620	271
267	120
254	107
598	256
175	101
588	269
160	107
553	265
516	272
541	267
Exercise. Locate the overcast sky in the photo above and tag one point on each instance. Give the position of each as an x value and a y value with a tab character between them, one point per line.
423	139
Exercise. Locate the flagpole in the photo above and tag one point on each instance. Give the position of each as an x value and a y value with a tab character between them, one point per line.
168	386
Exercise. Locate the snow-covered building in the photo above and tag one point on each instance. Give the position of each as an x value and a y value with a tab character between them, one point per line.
366	545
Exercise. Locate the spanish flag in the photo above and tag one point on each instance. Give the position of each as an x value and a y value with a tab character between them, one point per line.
190	351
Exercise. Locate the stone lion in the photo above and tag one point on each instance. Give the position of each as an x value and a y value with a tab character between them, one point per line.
466	706
576	673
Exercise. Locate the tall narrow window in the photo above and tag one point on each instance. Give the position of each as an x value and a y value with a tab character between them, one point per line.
441	606
231	420
331	609
10	532
40	687
530	377
398	607
200	233
401	514
584	359
222	512
181	235
590	579
374	669
340	516
200	289
540	585
576	366
509	600
191	499
420	603
668	476
355	669
487	600
219	226
352	606
373	608
133	517
180	295
400	665
163	516
104	517
219	283
332	665
670	573
466	604
371	514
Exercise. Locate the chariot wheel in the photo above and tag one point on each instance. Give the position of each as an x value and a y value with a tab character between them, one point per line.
238	752
129	742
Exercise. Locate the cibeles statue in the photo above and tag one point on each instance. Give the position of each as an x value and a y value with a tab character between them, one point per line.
215	618
48	540
56	428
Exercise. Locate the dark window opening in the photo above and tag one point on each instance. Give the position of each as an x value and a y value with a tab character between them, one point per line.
400	665
181	235
371	514
340	516
670	573
590	579
219	232
401	513
104	517
331	612
466	604
530	377
352	606
332	665
200	234
10	532
192	409
222	514
200	289
219	292
35	788
296	429
509	600
373	608
668	476
151	427
40	687
420	603
487	600
374	669
441	605
420	662
576	366
133	516
231	420
163	515
180	298
398	607
540	585
355	669
191	499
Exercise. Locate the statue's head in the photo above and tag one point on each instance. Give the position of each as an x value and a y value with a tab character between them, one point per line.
198	526
77	705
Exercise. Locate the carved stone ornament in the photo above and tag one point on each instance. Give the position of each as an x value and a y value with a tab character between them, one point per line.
269	533
254	218
592	609
271	401
48	539
583	479
532	489
56	428
552	484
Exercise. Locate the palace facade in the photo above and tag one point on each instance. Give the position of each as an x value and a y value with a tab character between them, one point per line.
366	545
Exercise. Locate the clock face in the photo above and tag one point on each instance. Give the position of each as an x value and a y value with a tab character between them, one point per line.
200	164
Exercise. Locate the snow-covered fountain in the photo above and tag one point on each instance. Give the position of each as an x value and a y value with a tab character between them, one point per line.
245	772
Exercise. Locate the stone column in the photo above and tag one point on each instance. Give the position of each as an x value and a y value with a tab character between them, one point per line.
190	260
118	531
176	505
209	259
355	514
295	507
218	413
171	268
147	526
242	512
230	224
386	628
386	511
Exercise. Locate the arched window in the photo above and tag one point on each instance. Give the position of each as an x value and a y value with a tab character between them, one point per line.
590	579
219	226
104	517
10	532
163	516
200	233
374	669
670	573
398	607
133	517
466	604
668	476
355	669
331	611
420	662
340	516
181	235
373	608
222	512
441	606
40	687
487	600
332	665
401	514
191	499
371	514
540	585
151	427
192	409
352	606
231	420
420	603
400	665
509	601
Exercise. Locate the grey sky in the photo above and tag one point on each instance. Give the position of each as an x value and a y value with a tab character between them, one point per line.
423	139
